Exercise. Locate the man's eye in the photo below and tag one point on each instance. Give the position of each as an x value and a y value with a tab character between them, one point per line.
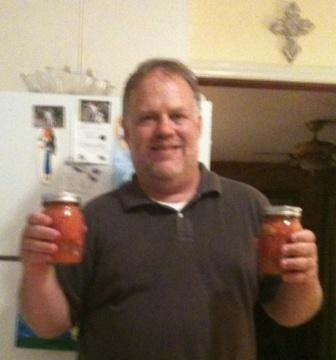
146	119
178	117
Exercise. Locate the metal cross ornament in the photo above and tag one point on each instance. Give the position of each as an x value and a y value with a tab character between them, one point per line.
291	26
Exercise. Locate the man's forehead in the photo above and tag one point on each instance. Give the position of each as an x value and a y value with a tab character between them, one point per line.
161	76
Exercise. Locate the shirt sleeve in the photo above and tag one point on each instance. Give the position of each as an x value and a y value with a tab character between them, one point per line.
71	282
268	288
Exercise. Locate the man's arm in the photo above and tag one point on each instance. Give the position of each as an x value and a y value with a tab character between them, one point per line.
300	295
42	302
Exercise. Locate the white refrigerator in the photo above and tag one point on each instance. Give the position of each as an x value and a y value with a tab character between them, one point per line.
55	142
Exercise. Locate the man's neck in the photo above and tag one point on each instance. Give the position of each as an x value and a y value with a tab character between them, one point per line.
171	190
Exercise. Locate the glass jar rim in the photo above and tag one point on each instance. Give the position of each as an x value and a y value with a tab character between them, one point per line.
284	210
61	197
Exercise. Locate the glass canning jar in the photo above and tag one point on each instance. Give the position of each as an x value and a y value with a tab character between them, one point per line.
65	211
278	224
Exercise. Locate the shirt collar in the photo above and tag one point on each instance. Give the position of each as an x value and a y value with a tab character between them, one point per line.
132	196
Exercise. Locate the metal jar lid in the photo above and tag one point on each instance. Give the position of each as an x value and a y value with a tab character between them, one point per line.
283	210
63	196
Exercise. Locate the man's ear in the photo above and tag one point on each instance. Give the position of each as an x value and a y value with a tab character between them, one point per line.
125	129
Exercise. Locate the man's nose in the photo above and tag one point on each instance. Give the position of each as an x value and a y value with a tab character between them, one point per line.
165	125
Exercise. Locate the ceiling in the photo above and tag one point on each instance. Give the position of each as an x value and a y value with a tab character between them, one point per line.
247	121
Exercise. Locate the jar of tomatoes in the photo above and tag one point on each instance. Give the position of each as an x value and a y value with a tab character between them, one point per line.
67	218
278	225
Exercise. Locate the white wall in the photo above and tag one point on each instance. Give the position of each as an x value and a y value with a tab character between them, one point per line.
116	35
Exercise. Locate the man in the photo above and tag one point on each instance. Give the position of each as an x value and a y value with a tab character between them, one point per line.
170	268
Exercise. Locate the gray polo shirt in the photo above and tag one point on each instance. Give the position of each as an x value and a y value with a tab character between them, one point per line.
157	284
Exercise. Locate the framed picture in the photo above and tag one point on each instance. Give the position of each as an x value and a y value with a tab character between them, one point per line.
48	116
95	112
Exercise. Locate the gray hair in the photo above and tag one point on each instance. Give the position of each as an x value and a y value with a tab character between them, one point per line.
169	66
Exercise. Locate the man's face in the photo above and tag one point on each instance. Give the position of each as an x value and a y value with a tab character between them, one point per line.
162	127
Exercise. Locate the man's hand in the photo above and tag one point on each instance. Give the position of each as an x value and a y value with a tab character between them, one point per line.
300	295
39	284
38	241
299	261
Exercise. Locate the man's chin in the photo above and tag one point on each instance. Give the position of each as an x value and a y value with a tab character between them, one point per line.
166	171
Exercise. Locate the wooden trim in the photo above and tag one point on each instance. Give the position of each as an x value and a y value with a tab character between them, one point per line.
266	84
266	73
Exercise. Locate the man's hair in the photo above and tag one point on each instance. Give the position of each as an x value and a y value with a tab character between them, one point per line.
168	66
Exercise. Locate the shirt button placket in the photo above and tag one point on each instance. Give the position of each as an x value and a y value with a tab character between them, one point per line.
184	228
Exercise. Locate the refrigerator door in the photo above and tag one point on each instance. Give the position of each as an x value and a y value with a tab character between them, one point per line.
35	161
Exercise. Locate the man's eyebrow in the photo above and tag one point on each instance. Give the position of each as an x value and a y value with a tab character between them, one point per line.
179	108
150	111
147	112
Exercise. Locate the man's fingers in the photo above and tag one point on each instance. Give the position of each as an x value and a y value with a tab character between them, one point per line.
298	264
303	236
302	249
39	218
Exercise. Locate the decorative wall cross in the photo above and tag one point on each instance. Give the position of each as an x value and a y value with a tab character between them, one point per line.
291	26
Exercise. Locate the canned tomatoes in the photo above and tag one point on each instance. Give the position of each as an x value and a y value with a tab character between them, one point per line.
278	225
64	209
